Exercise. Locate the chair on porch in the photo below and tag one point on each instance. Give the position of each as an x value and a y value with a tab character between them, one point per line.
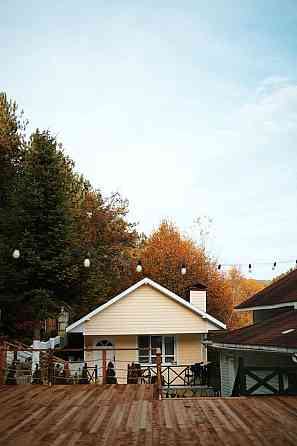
134	373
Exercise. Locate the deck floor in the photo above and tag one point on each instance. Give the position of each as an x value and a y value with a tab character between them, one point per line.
124	415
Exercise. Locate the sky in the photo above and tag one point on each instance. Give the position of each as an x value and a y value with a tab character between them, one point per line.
188	109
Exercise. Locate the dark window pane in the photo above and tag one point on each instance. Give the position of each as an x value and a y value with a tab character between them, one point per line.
143	345
169	345
156	342
143	342
169	359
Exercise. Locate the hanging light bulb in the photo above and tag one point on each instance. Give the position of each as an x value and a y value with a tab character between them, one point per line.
183	269
139	267
16	254
87	263
250	267
274	266
219	266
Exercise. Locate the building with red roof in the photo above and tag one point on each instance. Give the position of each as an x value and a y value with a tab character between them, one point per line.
262	358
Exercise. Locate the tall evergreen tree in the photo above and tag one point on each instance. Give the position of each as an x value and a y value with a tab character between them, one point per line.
12	150
41	278
48	226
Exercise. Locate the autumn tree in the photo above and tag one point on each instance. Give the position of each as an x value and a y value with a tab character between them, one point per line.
162	255
241	288
107	238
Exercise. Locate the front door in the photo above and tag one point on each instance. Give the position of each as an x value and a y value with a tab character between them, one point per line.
104	355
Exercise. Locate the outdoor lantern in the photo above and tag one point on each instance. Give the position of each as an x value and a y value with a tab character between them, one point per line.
87	263
183	269
16	254
139	267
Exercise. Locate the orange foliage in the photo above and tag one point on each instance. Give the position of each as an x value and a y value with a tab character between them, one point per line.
163	254
241	289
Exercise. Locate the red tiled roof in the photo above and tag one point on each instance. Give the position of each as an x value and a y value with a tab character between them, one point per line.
266	333
281	291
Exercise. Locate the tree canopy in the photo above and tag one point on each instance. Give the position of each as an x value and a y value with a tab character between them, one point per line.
57	220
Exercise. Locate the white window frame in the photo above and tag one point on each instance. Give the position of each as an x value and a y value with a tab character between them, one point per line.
174	362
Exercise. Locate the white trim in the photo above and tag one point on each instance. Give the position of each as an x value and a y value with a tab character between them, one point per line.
268	307
146	281
258	348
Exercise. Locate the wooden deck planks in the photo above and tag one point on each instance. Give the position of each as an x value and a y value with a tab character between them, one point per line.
84	415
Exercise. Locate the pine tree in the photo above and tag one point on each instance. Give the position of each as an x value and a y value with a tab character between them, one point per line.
12	151
48	225
41	279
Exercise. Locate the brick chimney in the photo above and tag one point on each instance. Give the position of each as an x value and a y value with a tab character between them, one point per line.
198	296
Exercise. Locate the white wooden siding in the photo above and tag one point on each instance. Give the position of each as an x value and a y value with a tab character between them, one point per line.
145	311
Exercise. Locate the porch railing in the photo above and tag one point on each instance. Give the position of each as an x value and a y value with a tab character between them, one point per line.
51	369
180	380
257	380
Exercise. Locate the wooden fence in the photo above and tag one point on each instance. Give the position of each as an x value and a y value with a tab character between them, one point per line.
265	380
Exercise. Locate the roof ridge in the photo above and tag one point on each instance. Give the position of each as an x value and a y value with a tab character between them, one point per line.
274	286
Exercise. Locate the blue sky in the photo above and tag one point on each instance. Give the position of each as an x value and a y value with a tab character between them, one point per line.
186	108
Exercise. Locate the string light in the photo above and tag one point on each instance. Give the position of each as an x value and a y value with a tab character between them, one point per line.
274	264
87	263
16	254
183	269
139	267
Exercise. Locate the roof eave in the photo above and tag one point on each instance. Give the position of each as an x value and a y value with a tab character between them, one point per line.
147	281
249	347
268	307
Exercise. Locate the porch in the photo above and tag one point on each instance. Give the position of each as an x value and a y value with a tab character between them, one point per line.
179	354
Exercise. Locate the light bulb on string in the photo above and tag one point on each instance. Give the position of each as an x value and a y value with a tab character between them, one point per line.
183	269
250	268
87	263
16	254
139	267
274	266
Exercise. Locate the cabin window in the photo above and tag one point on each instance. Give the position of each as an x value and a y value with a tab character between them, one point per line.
147	349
